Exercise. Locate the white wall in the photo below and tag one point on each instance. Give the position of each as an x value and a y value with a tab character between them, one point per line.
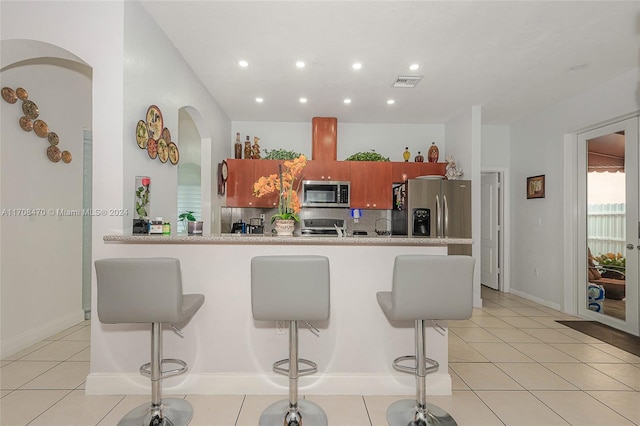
537	148
156	74
387	139
80	29
42	254
495	146
464	143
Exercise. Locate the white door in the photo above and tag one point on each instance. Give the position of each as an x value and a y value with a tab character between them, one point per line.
490	231
608	225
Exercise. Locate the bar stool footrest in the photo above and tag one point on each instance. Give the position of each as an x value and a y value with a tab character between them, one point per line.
313	367
432	364
145	369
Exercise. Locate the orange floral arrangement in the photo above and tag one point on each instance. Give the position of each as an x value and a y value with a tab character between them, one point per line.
284	183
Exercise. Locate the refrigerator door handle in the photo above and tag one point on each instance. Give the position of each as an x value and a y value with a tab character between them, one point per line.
445	218
438	218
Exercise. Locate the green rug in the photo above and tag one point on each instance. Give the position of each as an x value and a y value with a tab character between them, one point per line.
619	339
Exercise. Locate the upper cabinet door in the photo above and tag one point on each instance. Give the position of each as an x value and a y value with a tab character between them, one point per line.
242	175
403	171
371	185
326	170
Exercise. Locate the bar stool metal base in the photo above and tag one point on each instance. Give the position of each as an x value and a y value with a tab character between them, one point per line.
176	412
402	413
312	414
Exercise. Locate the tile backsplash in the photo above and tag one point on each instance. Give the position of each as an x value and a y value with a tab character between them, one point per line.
369	221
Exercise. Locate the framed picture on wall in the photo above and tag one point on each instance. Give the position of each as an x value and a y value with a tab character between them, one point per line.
535	187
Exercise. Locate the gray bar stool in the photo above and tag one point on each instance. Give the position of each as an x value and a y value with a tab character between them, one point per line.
277	295
425	288
149	290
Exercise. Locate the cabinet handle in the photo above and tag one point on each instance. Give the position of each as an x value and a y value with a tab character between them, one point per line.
274	204
374	205
322	178
329	177
250	203
368	204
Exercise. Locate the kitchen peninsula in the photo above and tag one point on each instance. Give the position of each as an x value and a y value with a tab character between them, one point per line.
230	353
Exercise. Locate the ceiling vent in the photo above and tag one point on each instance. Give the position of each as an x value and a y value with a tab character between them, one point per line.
406	81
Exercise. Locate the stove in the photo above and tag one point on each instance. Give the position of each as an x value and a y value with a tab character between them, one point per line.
321	227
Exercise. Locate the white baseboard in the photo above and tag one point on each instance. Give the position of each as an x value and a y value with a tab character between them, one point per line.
543	302
266	384
15	344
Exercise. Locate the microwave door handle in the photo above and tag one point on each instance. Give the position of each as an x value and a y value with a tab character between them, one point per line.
445	218
438	221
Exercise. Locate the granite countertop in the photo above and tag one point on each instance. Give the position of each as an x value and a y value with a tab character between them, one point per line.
259	239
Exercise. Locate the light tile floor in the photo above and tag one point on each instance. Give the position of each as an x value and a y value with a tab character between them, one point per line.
511	364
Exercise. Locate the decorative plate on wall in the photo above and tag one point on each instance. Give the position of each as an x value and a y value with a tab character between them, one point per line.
142	135
174	154
26	124
54	154
66	156
166	135
163	151
22	94
155	124
152	148
53	139
9	95
41	128
30	109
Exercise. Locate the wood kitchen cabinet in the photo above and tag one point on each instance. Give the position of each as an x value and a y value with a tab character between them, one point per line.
326	170
400	172
242	175
371	185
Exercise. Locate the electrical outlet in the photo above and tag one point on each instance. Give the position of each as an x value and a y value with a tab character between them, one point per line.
281	328
262	216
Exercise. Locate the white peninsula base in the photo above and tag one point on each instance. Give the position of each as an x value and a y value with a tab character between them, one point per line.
229	353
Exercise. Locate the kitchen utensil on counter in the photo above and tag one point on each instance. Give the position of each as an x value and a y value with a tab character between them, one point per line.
378	226
238	227
256	226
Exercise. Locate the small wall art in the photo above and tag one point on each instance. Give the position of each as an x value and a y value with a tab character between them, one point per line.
39	127
535	186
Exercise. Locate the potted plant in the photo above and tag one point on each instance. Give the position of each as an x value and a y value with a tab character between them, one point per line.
288	202
193	226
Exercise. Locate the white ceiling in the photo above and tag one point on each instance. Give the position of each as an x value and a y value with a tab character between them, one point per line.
512	58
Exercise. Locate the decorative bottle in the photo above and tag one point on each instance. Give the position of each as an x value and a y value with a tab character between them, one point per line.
419	158
247	149
433	153
238	147
406	154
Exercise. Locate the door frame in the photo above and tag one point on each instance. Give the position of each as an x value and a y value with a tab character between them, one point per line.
504	237
575	213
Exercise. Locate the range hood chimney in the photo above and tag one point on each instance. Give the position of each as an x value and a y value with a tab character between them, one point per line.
324	138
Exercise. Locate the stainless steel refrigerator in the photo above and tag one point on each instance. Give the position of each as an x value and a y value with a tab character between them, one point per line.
433	207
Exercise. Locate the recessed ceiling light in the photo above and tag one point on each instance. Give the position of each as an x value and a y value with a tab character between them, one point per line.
391	102
347	101
414	67
356	65
259	100
300	64
303	100
243	63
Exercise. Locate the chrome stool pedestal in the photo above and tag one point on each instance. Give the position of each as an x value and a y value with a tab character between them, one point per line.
273	299
149	290
425	288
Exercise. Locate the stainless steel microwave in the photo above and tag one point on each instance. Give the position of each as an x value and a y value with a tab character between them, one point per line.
325	193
